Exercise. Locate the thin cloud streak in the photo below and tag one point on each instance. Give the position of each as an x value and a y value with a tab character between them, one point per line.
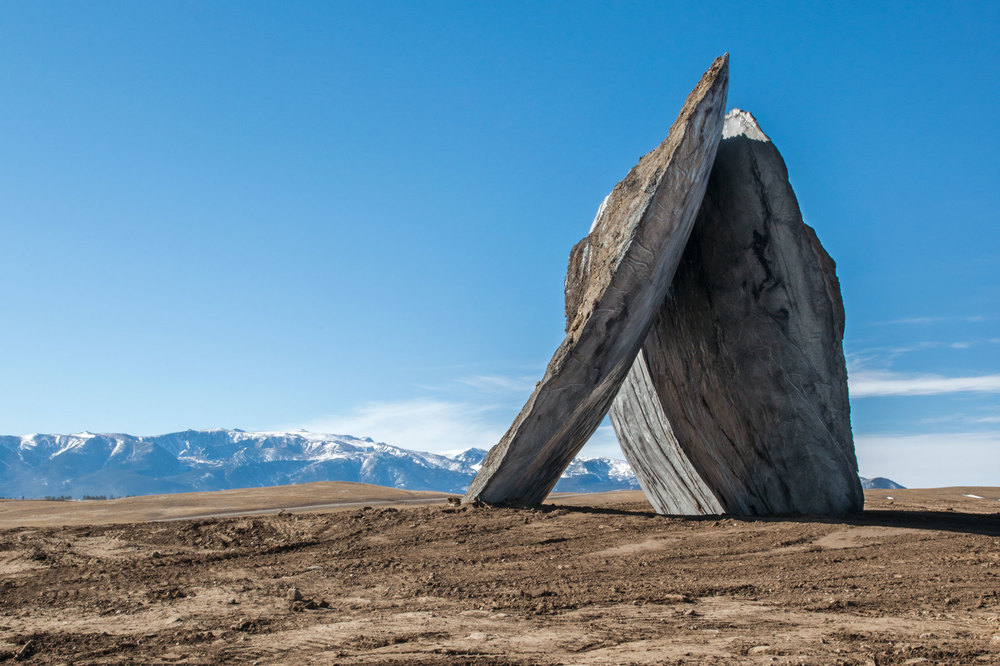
968	419
931	320
500	383
879	384
882	353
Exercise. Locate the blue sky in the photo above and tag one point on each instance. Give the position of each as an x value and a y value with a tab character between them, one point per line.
355	217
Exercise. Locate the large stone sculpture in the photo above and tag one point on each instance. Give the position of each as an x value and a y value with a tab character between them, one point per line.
622	269
737	402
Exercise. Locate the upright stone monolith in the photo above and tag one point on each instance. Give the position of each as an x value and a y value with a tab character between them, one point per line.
621	272
737	402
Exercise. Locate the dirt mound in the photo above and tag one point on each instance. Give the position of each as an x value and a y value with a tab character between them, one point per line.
323	495
910	580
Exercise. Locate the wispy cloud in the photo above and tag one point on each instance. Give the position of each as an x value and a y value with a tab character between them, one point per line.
500	387
883	356
500	383
887	353
932	320
470	411
932	459
423	425
911	347
439	426
962	418
485	408
866	384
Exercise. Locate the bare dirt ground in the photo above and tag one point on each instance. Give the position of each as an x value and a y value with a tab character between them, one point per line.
303	497
587	579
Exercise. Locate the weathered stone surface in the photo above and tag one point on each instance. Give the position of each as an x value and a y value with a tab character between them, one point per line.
621	273
738	401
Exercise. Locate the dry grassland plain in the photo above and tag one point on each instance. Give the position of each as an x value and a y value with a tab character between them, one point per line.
353	574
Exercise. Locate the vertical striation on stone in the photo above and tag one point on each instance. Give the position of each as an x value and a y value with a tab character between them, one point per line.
738	401
620	274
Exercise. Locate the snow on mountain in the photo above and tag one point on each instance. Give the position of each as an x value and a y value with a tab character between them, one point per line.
594	475
880	483
199	460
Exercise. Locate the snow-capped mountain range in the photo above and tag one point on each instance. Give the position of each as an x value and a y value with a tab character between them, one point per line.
36	466
197	460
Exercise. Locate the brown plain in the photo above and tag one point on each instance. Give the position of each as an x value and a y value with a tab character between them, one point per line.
585	579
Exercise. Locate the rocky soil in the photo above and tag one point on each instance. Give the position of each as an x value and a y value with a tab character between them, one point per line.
584	579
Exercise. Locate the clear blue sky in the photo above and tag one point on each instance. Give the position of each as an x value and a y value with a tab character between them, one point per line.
356	216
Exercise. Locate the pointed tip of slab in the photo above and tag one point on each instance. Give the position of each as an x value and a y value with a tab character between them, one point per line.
720	66
719	69
742	123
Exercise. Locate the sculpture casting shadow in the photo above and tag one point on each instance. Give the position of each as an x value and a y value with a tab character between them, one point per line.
984	524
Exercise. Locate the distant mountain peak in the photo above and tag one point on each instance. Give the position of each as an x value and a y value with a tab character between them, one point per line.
880	483
471	455
87	463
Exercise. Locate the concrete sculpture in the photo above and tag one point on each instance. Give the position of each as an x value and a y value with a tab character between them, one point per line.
622	272
718	350
737	402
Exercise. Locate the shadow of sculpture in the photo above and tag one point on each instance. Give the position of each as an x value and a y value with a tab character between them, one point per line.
983	524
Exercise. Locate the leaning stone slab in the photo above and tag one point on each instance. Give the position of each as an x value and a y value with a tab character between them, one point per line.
737	402
621	273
